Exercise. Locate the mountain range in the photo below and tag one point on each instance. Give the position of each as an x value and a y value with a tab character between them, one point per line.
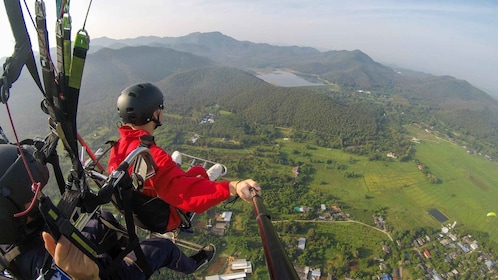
205	68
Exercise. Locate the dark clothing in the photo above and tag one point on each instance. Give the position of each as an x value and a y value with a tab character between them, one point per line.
32	258
159	252
32	251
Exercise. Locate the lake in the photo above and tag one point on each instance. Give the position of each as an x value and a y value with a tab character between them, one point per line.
286	79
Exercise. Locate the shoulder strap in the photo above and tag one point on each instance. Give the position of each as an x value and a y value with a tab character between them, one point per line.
7	257
133	240
146	141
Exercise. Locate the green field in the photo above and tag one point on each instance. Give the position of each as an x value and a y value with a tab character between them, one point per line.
467	192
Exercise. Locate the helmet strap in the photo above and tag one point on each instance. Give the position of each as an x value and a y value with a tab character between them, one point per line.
155	119
157	122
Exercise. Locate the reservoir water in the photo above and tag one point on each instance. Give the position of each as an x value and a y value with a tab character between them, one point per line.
286	79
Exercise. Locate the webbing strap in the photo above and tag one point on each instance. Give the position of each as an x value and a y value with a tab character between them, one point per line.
81	46
47	66
59	225
6	258
69	201
75	73
23	54
126	195
64	41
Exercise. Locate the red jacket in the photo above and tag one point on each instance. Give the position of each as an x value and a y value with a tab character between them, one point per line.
171	183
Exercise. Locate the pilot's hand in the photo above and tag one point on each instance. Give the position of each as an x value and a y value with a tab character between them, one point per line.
70	259
245	189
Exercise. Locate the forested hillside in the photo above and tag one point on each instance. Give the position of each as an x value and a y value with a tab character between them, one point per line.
362	105
338	134
441	102
256	101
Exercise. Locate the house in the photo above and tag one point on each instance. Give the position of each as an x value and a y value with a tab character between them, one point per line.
474	245
323	207
302	209
316	273
219	229
335	208
301	243
222	222
296	170
299	209
427	254
310	273
391	155
395	273
226	217
490	264
452	236
386	249
194	138
231	276
242	264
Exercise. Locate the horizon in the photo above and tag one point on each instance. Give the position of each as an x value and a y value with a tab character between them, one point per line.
444	38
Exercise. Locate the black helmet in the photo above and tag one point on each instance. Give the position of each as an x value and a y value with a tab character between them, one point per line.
137	103
15	188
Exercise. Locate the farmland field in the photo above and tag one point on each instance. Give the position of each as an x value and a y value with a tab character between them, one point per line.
467	192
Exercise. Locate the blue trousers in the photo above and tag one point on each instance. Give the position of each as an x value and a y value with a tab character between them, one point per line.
159	253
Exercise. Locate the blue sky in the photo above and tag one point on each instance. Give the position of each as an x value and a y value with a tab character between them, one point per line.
457	38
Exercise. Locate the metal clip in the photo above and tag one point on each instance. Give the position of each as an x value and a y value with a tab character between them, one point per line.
5	89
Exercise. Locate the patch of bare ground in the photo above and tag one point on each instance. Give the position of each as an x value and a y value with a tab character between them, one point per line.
218	265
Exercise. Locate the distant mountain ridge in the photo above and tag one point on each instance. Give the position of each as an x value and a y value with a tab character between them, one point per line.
446	98
347	68
202	68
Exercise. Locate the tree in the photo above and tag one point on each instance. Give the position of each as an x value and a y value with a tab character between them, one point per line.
311	234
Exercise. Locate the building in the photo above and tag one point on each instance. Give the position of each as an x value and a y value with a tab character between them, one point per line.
391	155
296	170
316	273
242	264
427	254
335	208
226	217
222	222
301	244
230	276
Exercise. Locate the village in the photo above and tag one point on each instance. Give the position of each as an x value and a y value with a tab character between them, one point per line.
461	251
423	253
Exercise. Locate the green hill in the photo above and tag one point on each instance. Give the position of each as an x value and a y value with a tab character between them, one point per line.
439	101
257	101
339	134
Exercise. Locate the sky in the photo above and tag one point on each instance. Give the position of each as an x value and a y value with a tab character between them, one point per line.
457	38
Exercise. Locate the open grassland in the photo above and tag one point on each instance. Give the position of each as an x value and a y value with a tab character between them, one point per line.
467	192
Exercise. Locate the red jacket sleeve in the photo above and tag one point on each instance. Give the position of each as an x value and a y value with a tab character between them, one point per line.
191	194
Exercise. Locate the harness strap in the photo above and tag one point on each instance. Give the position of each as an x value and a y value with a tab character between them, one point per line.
146	141
64	40
185	224
60	225
23	54
7	257
47	66
47	269
81	46
125	195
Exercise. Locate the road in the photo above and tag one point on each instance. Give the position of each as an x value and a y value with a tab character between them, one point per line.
346	221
